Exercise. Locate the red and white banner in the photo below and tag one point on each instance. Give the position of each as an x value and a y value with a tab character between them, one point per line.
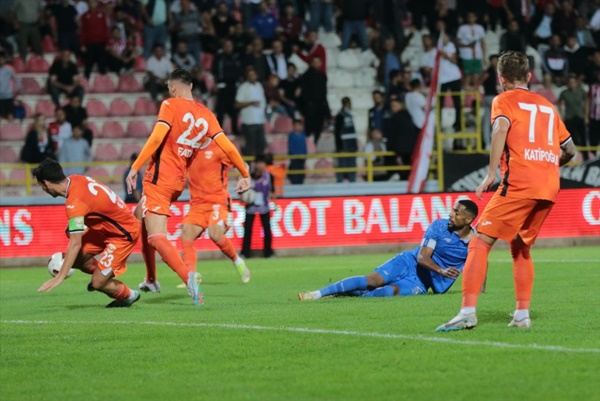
38	231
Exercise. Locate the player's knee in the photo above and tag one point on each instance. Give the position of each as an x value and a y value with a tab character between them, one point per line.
519	249
96	283
374	280
215	236
396	289
187	233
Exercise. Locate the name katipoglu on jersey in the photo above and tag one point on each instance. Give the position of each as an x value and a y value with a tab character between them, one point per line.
541	155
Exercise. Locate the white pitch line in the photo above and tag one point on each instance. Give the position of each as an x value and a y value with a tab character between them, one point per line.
440	339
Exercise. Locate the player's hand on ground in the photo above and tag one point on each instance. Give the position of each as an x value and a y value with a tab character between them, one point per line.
450	272
485	185
243	185
131	180
50	284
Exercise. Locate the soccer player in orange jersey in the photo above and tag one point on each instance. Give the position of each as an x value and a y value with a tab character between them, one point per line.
527	138
99	224
210	205
182	124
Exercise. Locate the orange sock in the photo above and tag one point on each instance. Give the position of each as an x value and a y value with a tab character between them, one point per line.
523	273
149	255
123	292
474	271
227	248
189	254
169	254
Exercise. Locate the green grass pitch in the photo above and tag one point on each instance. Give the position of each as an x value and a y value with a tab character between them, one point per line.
258	342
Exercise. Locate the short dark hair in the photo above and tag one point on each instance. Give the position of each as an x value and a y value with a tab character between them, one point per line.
346	101
470	207
377	92
298	121
415	83
181	75
513	66
49	170
260	159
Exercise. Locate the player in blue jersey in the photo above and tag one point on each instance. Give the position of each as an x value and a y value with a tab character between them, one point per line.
435	264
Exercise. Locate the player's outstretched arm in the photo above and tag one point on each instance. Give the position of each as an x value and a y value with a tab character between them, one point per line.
499	133
157	136
568	152
70	256
424	260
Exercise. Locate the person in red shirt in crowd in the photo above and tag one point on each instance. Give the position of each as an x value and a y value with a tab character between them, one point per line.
94	37
120	53
315	49
59	129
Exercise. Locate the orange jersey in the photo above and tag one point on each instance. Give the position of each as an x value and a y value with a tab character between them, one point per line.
93	205
208	176
189	122
530	162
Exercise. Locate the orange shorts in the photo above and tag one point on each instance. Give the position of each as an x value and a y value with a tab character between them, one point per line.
114	251
157	199
505	218
207	214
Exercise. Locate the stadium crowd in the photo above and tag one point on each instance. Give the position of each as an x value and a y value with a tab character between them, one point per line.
261	63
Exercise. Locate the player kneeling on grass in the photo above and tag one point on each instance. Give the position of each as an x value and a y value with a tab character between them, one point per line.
435	264
99	224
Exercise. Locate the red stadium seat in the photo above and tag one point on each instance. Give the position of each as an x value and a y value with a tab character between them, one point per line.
2	175
140	64
8	155
48	45
103	84
17	174
120	108
97	172
268	127
112	129
37	64
28	112
144	107
11	132
278	147
46	107
92	126
118	173
282	125
105	152
447	102
128	84
128	148
31	86
96	108
19	65
85	84
323	164
310	145
137	129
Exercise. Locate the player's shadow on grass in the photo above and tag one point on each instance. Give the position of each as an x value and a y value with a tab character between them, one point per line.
163	299
90	306
500	316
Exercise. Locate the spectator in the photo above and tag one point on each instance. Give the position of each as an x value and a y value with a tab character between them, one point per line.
277	176
288	89
416	103
542	25
94	37
595	25
321	15
563	23
223	21
577	56
345	141
313	49
427	58
241	39
264	24
226	69
183	59
471	38
66	25
290	26
313	95
593	68
583	34
60	130
573	101
396	89
401	137
496	12
187	28
156	17
376	112
450	77
75	150
257	60
297	146
76	115
120	54
555	61
277	61
82	7
27	24
158	69
38	144
274	106
548	89
250	8
389	16
64	78
7	93
250	99
262	184
124	23
390	60
354	16
443	13
489	81
593	115
376	143
136	194
513	39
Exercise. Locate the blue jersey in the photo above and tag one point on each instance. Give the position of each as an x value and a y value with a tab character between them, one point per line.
449	250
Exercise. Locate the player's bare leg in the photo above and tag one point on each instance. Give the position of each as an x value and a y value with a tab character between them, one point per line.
217	235
150	283
104	281
523	272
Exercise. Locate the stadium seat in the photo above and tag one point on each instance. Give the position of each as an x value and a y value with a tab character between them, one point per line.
37	64
128	148
48	45
144	107
268	127
119	172
8	155
349	60
103	84
323	164
278	147
137	129
120	108
11	132
128	84
282	125
17	174
310	146
97	172
85	84
105	152
46	107
94	128
96	108
112	129
19	65
2	175
340	79
206	61
28	112
31	86
140	64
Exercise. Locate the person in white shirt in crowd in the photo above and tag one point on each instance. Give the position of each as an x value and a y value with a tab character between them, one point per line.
376	143
277	62
427	58
75	150
542	24
471	42
251	101
158	69
416	103
451	78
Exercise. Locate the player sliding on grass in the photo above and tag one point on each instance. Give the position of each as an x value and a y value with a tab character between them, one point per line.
182	125
99	224
435	264
527	139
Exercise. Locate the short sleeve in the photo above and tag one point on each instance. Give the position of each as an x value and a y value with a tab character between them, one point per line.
240	96
500	110
432	234
165	114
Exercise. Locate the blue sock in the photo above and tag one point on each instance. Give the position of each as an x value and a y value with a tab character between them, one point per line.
345	285
387	291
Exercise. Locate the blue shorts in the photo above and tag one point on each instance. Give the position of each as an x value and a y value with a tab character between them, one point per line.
401	271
